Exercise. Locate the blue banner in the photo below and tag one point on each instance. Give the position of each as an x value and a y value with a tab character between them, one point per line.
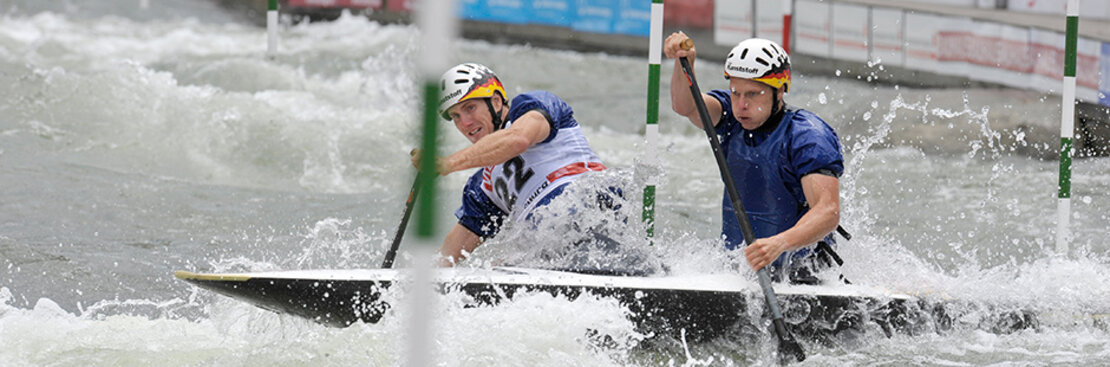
595	16
509	11
473	10
633	17
559	13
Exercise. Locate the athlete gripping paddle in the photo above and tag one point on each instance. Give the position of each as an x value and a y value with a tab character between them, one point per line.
527	151
786	162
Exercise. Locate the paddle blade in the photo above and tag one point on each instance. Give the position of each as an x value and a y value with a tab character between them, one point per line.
789	349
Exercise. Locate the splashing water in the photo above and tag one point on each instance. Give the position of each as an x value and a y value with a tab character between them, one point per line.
132	147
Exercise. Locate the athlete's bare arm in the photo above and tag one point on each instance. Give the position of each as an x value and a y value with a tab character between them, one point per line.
526	131
459	242
682	101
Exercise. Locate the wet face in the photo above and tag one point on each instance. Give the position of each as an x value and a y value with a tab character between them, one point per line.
472	118
751	102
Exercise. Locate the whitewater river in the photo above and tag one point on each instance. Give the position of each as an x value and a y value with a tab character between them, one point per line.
134	143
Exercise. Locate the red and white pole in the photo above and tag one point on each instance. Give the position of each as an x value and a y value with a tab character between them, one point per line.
787	15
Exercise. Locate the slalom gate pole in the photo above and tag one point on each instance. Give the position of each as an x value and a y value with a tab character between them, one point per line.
438	22
787	16
271	29
755	19
1067	130
651	130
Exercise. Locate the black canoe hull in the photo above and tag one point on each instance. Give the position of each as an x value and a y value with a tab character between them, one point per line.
695	312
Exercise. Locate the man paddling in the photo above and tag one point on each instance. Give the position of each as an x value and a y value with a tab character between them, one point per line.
527	151
786	161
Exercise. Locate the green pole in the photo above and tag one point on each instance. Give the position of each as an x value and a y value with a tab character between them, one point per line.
1067	130
438	22
426	203
651	131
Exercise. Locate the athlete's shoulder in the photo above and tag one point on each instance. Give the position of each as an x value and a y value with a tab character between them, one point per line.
723	96
814	144
804	115
560	113
536	95
806	122
538	99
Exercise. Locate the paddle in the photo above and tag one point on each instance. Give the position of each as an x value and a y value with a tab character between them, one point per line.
389	256
788	347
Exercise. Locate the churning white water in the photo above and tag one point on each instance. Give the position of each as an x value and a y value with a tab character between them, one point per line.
134	143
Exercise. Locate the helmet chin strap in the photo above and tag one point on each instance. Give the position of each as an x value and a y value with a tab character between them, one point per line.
775	101
497	122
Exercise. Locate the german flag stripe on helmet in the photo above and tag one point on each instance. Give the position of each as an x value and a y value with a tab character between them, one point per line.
484	90
775	79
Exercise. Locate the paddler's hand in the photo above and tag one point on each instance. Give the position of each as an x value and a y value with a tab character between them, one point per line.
764	251
672	47
442	168
414	156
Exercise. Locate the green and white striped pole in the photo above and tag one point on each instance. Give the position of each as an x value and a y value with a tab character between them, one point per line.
651	131
1067	130
271	29
439	25
436	19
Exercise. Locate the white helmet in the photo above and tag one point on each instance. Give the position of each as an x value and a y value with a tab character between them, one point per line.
467	81
760	60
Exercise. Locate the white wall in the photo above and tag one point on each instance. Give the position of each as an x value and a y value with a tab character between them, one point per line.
851	32
1017	56
812	27
770	19
967	3
1092	9
731	23
888	43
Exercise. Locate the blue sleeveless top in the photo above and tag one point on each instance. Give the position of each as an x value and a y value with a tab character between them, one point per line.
768	164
